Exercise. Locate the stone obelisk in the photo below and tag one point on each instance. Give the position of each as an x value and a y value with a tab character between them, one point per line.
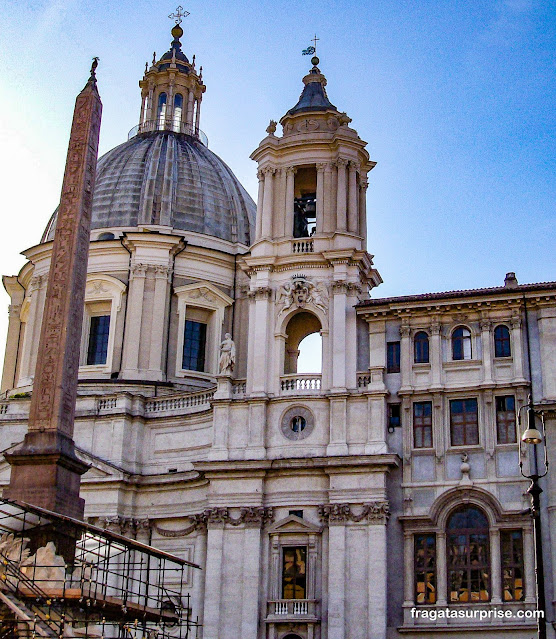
45	469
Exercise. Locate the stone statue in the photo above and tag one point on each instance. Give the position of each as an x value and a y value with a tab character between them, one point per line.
227	355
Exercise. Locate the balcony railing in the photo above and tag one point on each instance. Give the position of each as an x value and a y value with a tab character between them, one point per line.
292	608
168	125
300	384
303	246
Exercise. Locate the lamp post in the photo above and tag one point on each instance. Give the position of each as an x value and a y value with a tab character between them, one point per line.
533	436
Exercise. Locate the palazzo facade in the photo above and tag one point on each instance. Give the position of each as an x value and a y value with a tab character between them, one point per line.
340	504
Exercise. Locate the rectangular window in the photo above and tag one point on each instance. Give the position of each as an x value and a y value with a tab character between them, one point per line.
194	346
393	357
468	566
99	330
422	425
511	542
425	568
464	423
294	572
394	416
505	419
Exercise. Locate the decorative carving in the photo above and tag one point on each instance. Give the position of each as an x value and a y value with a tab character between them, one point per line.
307	126
139	270
344	118
485	324
261	293
373	512
435	328
227	355
268	170
341	162
203	293
515	321
250	516
271	128
14	310
302	291
364	183
354	166
405	330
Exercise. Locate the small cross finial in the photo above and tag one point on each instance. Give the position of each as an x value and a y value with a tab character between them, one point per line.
314	41
179	14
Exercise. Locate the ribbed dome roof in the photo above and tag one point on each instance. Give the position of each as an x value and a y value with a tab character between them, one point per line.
172	180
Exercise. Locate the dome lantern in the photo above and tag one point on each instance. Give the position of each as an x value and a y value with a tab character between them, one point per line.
171	91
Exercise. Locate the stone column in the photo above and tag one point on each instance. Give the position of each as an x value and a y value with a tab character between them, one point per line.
259	346
320	197
408	550
338	426
280	217
260	200
495	566
517	348
529	561
190	109
436	354
353	199
377	552
289	206
12	343
158	329
132	336
336	579
363	184
45	469
329	219
250	580
213	581
405	357
338	308
31	329
198	117
268	201
441	569
341	195
486	331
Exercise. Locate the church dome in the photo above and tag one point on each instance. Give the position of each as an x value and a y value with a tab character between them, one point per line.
173	180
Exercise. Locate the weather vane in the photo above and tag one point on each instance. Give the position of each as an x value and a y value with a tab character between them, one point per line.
180	13
312	49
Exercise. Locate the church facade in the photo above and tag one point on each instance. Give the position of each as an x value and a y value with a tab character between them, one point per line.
378	497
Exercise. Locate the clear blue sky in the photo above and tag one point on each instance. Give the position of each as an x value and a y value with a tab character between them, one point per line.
455	98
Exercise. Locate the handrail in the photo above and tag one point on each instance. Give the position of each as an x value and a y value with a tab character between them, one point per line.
149	126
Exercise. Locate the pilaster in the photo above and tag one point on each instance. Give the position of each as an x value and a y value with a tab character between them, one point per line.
341	195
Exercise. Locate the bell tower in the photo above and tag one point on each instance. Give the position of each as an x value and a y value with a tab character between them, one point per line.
308	266
313	179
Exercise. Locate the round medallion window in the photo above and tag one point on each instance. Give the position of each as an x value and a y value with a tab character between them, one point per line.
297	423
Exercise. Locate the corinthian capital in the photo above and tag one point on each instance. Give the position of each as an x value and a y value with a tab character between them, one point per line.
268	170
354	166
341	162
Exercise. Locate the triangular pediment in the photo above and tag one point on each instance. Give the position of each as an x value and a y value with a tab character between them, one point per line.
294	524
204	293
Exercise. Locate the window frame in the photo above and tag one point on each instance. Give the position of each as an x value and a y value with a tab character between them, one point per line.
393	365
103	296
422	427
503	341
202	355
512	566
465	338
284	548
422	569
465	423
419	344
505	421
103	334
468	567
195	301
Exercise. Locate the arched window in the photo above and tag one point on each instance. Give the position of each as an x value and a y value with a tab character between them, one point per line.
502	347
178	106
468	562
421	348
303	345
161	113
461	343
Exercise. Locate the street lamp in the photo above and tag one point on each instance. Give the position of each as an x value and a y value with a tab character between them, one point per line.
533	436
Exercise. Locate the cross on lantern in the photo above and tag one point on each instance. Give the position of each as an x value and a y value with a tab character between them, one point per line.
179	14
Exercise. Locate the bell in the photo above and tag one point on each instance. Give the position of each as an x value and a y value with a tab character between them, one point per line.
531	436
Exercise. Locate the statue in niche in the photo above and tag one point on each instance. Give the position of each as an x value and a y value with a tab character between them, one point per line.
227	355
